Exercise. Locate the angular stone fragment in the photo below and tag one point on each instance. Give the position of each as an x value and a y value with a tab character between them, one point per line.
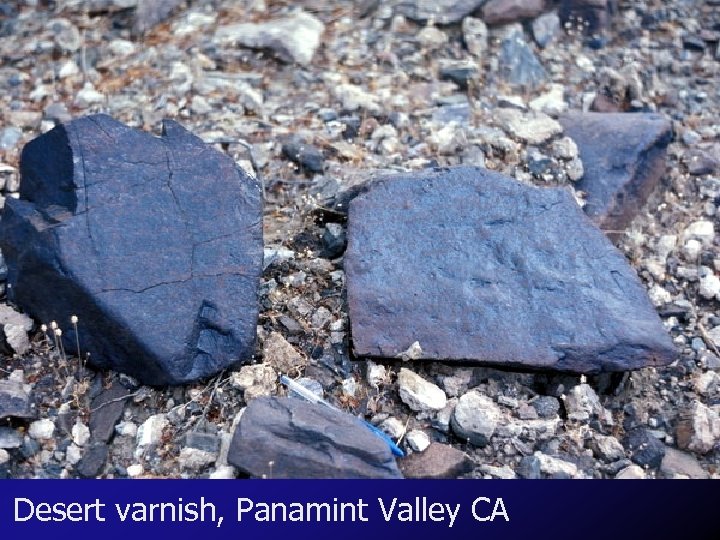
282	356
518	63
155	243
475	418
624	159
419	394
294	38
15	327
14	401
479	267
106	410
699	428
680	464
291	438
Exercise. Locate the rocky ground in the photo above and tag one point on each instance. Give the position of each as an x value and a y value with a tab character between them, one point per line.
341	92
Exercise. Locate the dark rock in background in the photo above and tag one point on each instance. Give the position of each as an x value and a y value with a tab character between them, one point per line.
458	72
437	461
508	11
594	14
155	243
476	266
138	15
439	11
308	157
624	160
291	438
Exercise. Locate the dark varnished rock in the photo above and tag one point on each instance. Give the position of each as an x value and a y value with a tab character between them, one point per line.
437	461
508	11
624	159
155	243
106	410
93	461
439	11
478	267
291	438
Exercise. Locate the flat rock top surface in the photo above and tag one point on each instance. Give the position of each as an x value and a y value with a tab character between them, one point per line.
477	266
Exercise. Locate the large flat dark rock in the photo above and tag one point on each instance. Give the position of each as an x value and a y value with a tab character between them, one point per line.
154	243
291	438
624	159
478	267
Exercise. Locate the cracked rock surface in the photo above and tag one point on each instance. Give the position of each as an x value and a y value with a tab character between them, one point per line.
477	266
158	240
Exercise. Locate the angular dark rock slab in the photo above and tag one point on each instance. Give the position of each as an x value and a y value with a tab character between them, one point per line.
518	63
154	243
478	267
106	410
291	438
624	159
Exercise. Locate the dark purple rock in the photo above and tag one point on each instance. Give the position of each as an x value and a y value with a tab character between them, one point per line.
291	438
645	450
155	243
93	460
508	11
624	160
439	11
437	461
309	158
478	267
106	410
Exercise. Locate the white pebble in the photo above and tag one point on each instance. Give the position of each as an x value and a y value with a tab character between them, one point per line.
80	434
42	429
133	471
418	440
